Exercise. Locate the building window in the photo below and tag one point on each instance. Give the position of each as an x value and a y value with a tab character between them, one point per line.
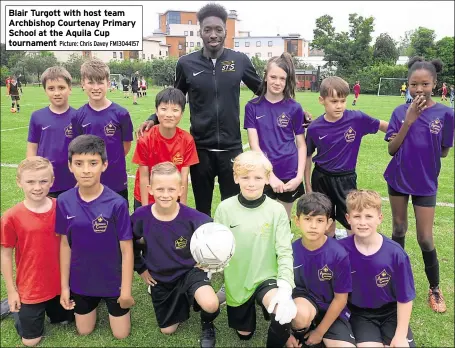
143	55
114	54
160	53
167	53
121	54
269	54
185	33
191	44
270	43
247	44
190	22
258	43
191	33
197	33
186	44
151	56
173	17
198	44
258	55
236	44
180	47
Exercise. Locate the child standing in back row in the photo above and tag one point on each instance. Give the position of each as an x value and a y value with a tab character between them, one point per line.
274	122
336	135
419	134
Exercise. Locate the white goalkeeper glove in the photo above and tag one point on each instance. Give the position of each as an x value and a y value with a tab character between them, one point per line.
286	310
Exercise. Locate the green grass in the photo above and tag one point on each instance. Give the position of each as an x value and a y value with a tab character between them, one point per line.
430	329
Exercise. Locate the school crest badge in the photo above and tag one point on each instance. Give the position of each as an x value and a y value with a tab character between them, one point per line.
177	159
283	120
110	129
435	126
382	279
100	224
69	131
325	273
181	243
349	135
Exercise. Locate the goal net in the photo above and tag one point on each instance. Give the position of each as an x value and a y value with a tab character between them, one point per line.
391	85
117	78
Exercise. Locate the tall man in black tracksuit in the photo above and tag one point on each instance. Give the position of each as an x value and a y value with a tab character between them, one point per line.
212	77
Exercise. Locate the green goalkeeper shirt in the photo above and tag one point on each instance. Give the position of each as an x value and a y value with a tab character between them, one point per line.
263	248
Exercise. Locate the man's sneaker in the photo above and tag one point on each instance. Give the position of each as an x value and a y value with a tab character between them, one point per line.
221	294
208	337
436	300
4	309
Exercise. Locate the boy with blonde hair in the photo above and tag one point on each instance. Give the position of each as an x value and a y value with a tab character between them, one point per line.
29	228
50	130
261	270
167	265
108	120
381	269
336	135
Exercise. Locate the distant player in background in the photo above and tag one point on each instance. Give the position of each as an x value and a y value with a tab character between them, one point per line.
143	86
452	95
126	87
14	93
7	82
135	86
19	84
356	90
403	89
408	96
444	92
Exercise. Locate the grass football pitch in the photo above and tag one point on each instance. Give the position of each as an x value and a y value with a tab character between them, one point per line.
430	329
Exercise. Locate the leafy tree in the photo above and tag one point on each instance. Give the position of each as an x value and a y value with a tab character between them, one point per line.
4	73
9	58
445	51
422	43
37	63
163	71
385	50
73	65
259	65
404	45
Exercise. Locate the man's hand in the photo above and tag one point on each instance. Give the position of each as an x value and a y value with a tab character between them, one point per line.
125	300
144	127
14	301
147	278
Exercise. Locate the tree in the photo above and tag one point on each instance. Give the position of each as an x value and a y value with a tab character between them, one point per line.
4	73
37	63
404	45
73	65
9	58
163	71
445	51
422	43
385	50
259	65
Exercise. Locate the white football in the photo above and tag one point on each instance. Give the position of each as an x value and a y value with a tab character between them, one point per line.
212	246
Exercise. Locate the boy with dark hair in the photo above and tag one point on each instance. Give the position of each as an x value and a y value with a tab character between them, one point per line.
96	251
29	228
108	120
322	275
50	130
261	269
164	142
336	135
382	281
167	265
13	91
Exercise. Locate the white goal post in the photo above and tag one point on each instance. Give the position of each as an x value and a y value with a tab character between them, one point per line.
390	85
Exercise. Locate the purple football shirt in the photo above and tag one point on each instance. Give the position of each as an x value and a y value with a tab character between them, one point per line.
168	254
338	143
415	167
114	126
94	230
322	272
277	124
53	133
381	278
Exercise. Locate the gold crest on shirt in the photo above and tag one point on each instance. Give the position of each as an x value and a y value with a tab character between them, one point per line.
181	243
325	273
349	135
382	279
435	126
110	129
100	224
228	66
69	131
283	120
177	159
264	231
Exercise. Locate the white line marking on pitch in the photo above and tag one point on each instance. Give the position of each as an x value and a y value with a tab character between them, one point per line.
10	129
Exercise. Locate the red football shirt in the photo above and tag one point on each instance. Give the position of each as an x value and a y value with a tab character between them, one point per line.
37	248
356	89
152	148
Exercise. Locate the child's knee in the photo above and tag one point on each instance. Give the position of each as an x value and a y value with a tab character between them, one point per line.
120	335
399	228
301	320
85	330
31	342
169	330
210	305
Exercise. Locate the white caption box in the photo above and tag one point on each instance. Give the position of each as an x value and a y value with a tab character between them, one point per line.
73	27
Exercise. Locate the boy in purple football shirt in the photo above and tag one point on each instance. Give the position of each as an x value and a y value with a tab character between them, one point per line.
274	122
336	135
167	264
108	120
96	250
322	274
382	281
419	134
50	130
